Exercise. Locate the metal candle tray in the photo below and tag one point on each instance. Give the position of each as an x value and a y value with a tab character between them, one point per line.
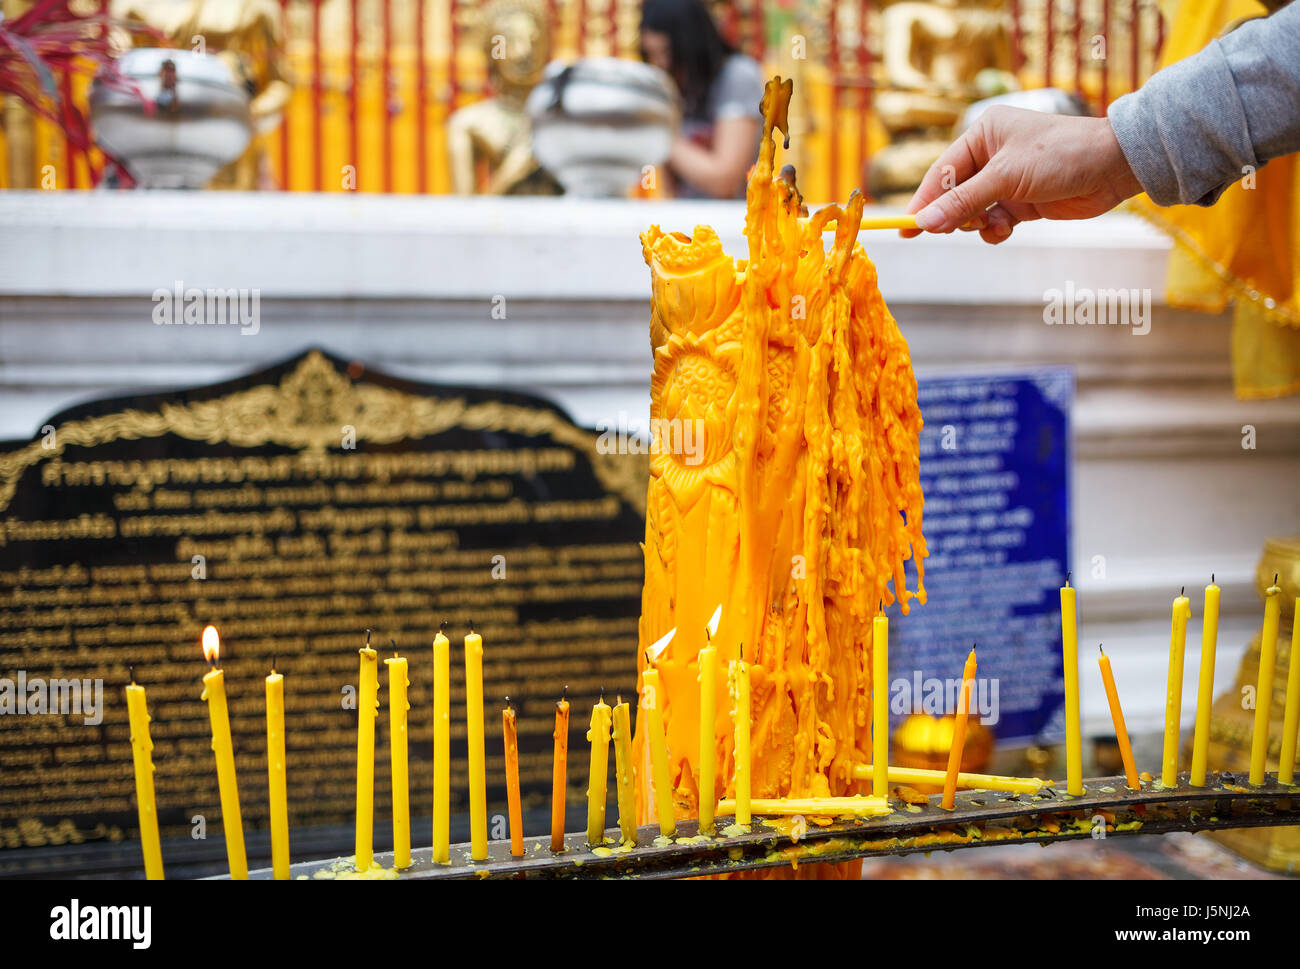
979	818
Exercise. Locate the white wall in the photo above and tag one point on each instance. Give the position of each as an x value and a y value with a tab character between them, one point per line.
1162	487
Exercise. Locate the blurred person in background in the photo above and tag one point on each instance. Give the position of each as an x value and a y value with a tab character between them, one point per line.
721	90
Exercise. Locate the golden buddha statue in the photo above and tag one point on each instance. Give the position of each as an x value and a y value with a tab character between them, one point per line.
489	143
938	59
246	35
799	500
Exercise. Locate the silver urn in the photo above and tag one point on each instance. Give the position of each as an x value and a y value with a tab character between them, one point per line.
200	121
598	122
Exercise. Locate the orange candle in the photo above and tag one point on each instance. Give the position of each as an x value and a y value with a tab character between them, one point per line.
512	780
559	774
1117	717
959	732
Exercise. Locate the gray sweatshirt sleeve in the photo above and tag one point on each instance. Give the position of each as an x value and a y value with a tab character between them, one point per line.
1200	124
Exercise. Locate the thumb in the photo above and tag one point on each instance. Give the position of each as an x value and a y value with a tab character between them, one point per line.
962	203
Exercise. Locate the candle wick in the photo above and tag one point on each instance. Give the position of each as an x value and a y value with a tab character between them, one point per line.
442	626
1100	650
131	671
1181	591
471	625
1067	579
274	657
367	638
1211	578
1275	578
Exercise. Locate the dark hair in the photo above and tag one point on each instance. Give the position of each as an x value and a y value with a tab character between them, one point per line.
698	50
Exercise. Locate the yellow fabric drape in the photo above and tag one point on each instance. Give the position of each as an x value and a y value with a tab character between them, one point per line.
1242	250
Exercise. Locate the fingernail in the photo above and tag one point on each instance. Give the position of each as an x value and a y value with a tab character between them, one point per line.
929	218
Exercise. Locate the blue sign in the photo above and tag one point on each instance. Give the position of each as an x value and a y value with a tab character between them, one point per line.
995	461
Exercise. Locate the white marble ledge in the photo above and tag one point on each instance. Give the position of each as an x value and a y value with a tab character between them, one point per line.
442	247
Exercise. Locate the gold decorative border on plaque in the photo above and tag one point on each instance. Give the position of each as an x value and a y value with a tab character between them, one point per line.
307	411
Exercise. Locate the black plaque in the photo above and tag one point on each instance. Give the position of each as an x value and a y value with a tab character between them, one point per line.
292	509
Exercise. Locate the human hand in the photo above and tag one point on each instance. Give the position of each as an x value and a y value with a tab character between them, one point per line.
1013	165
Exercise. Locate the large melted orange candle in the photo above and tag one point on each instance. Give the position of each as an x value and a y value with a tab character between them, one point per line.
793	495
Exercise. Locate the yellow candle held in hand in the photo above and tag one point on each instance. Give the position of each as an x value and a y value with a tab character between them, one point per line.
708	676
214	692
441	748
652	709
1117	718
142	753
880	705
510	735
367	713
738	682
478	839
1182	611
559	773
598	734
1291	713
624	781
276	779
1070	663
1205	686
397	758
959	732
1264	687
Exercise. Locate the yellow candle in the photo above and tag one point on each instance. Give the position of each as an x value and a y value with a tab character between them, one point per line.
510	734
1182	611
1070	659
397	756
275	775
367	713
959	733
738	681
214	692
559	774
478	839
1117	718
1264	688
623	773
708	674
924	775
880	704
1205	685
652	708
441	748
598	734
1291	715
142	753
856	806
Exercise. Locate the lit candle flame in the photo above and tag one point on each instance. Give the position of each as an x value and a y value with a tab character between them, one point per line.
211	645
655	649
712	627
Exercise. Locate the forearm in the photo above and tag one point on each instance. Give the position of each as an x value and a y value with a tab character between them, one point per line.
1200	124
704	169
